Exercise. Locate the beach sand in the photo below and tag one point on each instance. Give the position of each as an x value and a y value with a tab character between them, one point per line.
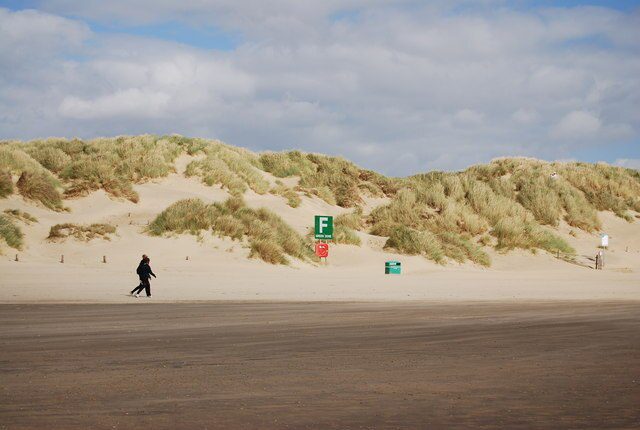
229	342
321	366
218	268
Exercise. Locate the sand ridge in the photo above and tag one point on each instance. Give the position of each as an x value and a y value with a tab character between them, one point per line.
218	268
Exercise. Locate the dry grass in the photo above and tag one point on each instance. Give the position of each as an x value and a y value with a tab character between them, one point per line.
112	164
233	168
189	215
84	233
10	233
511	199
507	203
345	226
346	235
267	235
293	199
331	178
353	220
415	242
25	217
6	184
35	182
39	186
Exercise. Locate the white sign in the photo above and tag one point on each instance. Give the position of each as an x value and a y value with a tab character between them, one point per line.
604	240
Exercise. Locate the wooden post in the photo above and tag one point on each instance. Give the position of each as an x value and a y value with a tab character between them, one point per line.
626	249
187	258
129	214
17	257
104	258
62	258
597	261
557	253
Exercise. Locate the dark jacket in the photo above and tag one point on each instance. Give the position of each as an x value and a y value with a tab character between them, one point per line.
139	269
145	272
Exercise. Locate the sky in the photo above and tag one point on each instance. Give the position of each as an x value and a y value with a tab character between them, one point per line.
398	86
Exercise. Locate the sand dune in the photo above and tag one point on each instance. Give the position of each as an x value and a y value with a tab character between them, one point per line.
218	269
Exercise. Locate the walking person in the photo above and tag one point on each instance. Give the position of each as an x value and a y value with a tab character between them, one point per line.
145	273
138	272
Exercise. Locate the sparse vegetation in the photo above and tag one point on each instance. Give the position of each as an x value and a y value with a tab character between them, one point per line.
26	217
6	184
346	235
81	232
268	236
10	233
293	199
345	226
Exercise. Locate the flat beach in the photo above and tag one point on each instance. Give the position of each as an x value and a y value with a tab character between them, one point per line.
321	365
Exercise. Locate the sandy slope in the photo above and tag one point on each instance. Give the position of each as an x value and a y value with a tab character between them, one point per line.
217	269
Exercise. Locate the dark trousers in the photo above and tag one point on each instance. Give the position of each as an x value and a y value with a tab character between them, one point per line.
144	284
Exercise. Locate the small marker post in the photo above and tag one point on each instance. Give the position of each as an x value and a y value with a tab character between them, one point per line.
62	258
104	259
17	259
187	258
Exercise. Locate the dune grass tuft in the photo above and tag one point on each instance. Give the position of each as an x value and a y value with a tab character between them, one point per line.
333	179
293	199
346	235
353	220
189	215
415	242
85	233
345	226
25	217
233	168
39	186
6	184
267	235
10	233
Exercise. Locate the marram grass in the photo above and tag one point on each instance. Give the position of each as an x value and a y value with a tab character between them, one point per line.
267	235
508	203
10	233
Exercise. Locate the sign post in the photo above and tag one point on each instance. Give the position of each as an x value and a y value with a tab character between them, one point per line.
323	231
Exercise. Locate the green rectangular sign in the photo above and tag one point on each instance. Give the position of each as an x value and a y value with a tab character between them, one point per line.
324	227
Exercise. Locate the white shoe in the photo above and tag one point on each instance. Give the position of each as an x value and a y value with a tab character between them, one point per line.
136	295
149	296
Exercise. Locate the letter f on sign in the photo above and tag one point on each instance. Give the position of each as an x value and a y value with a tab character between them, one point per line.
323	223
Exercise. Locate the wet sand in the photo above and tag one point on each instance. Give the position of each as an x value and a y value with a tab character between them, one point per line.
320	365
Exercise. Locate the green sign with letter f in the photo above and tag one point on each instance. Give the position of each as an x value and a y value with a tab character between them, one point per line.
324	227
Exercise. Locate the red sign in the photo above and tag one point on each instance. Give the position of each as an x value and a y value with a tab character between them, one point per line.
322	250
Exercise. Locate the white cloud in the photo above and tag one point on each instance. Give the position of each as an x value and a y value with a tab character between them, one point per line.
631	163
131	102
441	87
577	125
525	116
468	117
